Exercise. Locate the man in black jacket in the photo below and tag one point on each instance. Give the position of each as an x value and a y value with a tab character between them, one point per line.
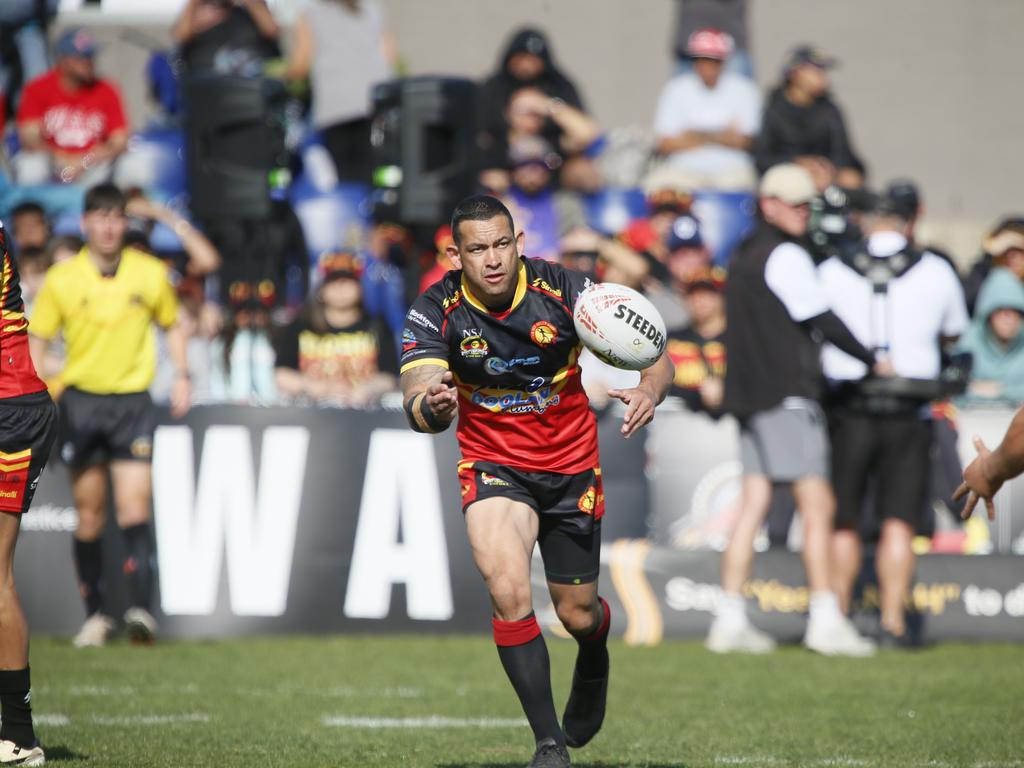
775	309
803	125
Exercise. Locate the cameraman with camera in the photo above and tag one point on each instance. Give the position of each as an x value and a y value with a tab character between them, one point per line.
905	304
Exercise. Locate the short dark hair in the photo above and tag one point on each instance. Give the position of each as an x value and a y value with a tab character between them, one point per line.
70	242
479	208
30	207
105	197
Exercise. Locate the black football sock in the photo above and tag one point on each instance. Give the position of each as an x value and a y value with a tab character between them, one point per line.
524	656
89	564
138	564
16	707
592	656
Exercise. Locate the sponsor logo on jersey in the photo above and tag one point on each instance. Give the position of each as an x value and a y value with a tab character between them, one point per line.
629	317
496	366
420	319
516	400
474	347
488	479
408	340
545	286
543	333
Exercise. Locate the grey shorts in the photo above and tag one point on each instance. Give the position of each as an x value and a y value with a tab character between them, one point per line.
785	443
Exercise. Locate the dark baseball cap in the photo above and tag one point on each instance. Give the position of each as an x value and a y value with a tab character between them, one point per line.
809	54
75	42
709	278
903	198
685	233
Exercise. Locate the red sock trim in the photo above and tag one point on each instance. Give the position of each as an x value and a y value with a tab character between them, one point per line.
602	630
508	633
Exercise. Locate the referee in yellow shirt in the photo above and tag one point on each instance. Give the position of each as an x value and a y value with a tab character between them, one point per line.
106	300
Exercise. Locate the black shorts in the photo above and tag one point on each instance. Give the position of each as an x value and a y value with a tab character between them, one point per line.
28	429
570	508
895	451
97	429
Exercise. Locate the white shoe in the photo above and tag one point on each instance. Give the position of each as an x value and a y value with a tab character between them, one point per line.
140	625
12	754
735	637
94	632
837	637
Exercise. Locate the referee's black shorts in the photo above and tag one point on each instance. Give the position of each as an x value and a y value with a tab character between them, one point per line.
97	429
893	450
28	429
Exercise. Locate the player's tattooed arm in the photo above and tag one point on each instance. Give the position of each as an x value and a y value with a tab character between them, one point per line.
642	399
430	398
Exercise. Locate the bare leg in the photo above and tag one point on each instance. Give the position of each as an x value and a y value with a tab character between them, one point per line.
739	554
846	562
13	628
895	566
817	505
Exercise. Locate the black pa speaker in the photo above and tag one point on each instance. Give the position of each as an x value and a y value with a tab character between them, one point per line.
234	137
423	140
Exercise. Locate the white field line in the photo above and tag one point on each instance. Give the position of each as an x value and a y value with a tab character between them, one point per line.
58	720
853	762
432	721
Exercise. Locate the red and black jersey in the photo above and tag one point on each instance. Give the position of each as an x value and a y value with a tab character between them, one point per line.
521	402
17	374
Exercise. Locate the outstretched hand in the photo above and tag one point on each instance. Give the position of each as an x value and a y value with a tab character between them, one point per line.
442	398
979	482
640	406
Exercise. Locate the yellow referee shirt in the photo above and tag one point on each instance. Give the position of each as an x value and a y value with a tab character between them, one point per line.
107	321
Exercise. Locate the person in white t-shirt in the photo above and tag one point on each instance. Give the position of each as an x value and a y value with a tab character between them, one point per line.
902	303
707	119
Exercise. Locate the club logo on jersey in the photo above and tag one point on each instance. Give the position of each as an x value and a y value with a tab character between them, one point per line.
408	340
587	501
487	479
543	333
474	347
453	300
496	366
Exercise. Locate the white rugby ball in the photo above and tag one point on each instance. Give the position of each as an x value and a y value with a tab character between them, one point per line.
619	326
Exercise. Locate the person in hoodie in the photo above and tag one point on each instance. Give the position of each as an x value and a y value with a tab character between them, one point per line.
996	341
802	124
528	68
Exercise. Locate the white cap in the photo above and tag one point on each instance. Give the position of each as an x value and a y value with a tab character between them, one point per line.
790	183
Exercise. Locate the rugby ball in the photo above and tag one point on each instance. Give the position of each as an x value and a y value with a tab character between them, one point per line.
619	326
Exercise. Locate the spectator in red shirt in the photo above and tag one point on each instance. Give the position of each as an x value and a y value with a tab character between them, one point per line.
71	124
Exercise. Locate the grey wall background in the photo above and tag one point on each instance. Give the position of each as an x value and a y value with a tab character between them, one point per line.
931	88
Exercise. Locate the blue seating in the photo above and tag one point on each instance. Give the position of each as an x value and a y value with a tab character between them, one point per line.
725	219
610	210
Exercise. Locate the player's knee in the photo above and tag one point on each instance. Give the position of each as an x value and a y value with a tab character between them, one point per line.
577	618
512	599
90	523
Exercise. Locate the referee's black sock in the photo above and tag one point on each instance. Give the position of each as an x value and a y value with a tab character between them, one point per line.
16	707
524	656
592	656
89	564
138	564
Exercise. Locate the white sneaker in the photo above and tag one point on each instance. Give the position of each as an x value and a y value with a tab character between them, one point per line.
837	637
94	632
140	625
735	637
12	754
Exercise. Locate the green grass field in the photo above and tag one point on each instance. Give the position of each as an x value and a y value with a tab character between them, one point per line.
325	702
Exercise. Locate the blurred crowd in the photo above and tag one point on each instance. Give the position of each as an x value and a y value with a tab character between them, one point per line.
324	327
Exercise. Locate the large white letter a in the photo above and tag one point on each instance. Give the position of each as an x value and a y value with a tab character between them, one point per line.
400	489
